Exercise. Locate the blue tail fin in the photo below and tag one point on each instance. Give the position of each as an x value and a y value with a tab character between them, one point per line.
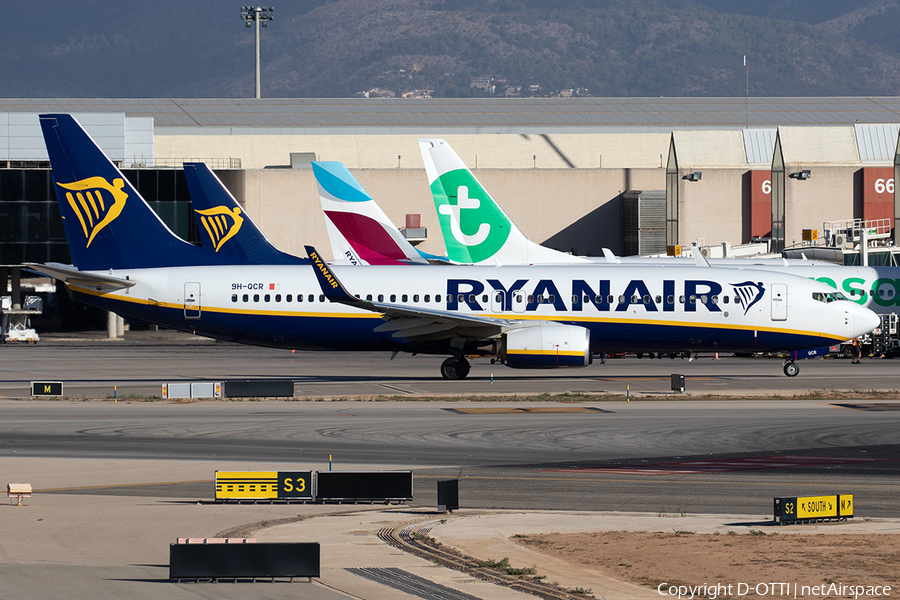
108	224
224	226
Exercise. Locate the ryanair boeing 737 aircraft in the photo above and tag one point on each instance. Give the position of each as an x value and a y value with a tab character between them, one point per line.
127	261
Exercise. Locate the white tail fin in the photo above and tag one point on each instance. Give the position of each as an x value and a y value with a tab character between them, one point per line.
475	228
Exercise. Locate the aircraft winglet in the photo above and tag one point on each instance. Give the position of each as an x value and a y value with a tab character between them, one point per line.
332	287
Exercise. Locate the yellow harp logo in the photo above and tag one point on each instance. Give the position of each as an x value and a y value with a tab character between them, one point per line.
96	203
221	223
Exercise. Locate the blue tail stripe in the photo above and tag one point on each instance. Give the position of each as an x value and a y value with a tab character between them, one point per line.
129	235
249	243
337	181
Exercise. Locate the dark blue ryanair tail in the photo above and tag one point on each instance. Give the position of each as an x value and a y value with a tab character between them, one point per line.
108	224
224	226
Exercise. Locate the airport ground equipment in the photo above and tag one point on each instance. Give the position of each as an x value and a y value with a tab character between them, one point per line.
321	486
813	509
259	388
448	495
263	485
46	388
243	561
18	491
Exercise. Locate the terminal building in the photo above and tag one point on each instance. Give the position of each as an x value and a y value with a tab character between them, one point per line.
635	175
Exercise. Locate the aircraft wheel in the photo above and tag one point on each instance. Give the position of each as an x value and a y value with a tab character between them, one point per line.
791	369
455	368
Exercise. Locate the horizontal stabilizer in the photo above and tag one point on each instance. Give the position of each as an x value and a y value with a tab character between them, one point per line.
73	276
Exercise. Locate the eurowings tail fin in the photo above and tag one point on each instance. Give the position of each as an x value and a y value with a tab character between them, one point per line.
475	228
224	227
360	232
108	224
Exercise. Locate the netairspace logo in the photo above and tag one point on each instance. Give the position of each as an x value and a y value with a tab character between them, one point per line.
773	590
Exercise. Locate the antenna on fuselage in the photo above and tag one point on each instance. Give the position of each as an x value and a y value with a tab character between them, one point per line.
699	259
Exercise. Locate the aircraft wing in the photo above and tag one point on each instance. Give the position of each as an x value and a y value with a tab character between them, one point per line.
407	322
73	276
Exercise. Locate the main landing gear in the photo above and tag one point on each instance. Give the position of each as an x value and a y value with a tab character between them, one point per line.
455	367
791	369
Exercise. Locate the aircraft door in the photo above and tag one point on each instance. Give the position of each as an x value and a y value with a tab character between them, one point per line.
497	302
779	302
518	301
192	300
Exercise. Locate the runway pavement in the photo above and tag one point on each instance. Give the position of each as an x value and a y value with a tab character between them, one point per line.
93	367
117	482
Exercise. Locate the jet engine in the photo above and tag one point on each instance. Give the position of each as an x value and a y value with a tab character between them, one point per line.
547	346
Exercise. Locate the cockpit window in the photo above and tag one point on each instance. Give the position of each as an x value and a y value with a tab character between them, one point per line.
828	297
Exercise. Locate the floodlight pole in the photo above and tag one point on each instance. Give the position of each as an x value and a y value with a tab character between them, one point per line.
256	10
257	14
746	98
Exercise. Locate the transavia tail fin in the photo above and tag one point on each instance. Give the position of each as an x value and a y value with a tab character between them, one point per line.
224	227
108	225
475	228
360	232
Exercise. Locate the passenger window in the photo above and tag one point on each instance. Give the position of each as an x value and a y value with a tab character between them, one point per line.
540	299
575	299
404	298
311	298
393	297
499	297
714	299
681	299
484	297
289	298
725	299
321	297
693	299
737	300
427	297
471	297
530	298
246	298
369	297
704	299
670	299
277	297
658	299
621	299
267	297
551	299
646	299
234	297
256	297
450	297
299	297
635	299
609	299
415	297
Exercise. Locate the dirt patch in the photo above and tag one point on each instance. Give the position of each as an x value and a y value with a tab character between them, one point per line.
689	559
